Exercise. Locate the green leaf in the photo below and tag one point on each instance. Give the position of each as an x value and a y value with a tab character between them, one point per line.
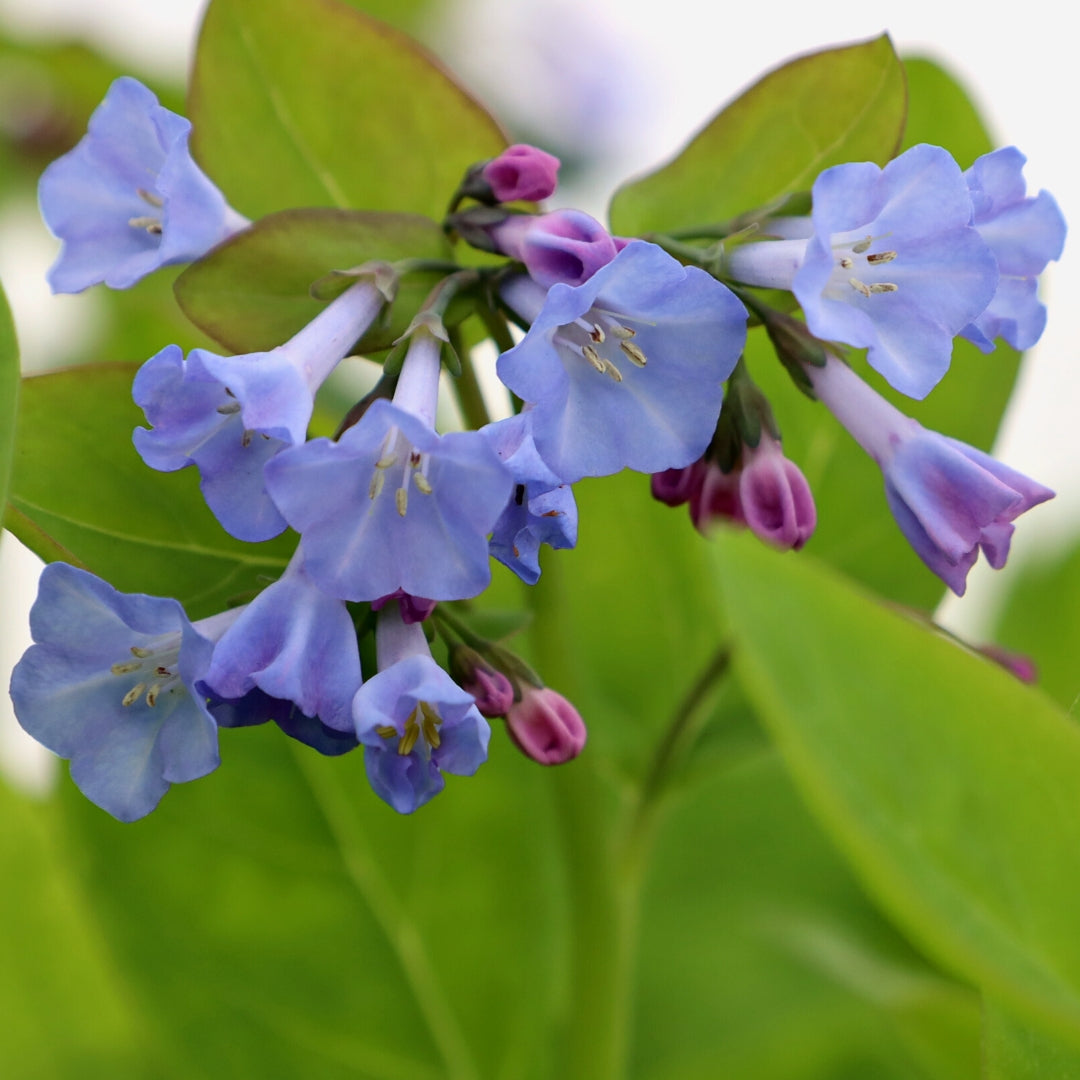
9	395
941	112
253	293
81	493
1013	1051
845	104
947	784
66	1011
316	104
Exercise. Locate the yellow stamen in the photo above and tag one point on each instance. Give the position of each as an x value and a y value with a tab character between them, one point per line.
133	694
634	353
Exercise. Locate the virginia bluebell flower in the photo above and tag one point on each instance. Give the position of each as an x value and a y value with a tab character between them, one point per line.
948	498
229	415
626	370
393	505
891	263
415	722
566	246
541	509
256	707
1024	234
110	685
128	198
294	643
774	498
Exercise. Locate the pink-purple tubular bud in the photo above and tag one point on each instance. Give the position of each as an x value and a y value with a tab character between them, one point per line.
413	609
774	496
716	499
493	691
565	246
546	727
521	172
673	487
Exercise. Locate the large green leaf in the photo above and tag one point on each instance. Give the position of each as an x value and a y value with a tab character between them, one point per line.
315	104
948	784
81	493
9	395
845	104
67	1012
253	293
1013	1051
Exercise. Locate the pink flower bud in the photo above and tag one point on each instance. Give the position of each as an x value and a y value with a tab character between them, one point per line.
775	498
493	691
521	172
565	246
545	726
716	499
677	486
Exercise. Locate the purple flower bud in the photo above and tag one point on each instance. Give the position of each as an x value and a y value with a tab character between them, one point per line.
565	246
521	172
674	487
546	727
716	498
774	496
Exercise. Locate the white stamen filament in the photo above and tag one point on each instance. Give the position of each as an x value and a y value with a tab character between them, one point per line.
157	666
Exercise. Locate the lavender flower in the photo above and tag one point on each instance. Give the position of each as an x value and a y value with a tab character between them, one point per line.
1024	234
626	370
891	263
774	498
229	415
415	722
110	685
129	198
948	498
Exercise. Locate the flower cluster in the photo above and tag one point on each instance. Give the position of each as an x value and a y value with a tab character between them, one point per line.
630	358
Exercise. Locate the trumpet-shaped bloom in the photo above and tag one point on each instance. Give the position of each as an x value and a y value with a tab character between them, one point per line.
1024	234
626	370
295	643
229	415
128	198
948	498
110	685
415	722
541	509
257	707
892	265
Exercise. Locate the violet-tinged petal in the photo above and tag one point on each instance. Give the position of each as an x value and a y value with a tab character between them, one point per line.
295	643
256	707
392	505
109	684
626	370
128	198
774	497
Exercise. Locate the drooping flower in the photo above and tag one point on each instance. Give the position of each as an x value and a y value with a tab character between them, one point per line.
256	707
566	246
295	643
774	498
948	498
415	722
521	173
128	198
229	415
716	497
541	509
626	370
393	505
544	726
891	263
110	685
1024	234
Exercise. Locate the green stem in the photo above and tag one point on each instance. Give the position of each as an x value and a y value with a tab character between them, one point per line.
469	395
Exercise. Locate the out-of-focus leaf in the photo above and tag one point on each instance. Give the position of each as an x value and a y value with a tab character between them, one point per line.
81	493
1039	619
941	112
9	395
949	786
67	1013
316	104
1013	1051
253	293
845	104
